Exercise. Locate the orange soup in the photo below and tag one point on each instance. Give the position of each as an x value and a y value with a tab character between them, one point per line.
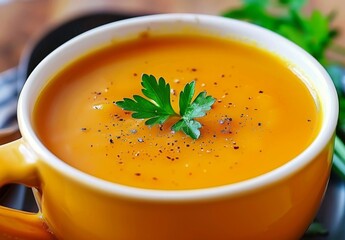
264	115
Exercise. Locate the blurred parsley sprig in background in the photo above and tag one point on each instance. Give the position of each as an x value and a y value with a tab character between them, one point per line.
313	33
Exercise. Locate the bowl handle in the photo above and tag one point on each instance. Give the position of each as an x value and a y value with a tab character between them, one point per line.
19	166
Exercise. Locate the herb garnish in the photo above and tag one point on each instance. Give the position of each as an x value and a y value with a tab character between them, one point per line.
286	17
158	108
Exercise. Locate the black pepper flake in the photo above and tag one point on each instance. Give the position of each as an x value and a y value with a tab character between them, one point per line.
137	174
83	129
111	141
225	131
236	147
261	91
193	69
154	178
309	120
259	124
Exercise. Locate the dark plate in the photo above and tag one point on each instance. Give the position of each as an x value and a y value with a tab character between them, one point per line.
331	214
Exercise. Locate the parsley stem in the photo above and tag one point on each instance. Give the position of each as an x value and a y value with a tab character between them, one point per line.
339	157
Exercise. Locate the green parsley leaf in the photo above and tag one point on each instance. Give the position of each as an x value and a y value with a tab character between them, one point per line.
159	93
198	108
189	126
158	108
186	97
294	4
285	17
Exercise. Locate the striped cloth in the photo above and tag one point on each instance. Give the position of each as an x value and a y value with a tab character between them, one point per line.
8	102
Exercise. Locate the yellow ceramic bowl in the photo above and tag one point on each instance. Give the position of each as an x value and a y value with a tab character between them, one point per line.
73	205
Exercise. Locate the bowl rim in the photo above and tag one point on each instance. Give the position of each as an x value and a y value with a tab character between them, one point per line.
326	132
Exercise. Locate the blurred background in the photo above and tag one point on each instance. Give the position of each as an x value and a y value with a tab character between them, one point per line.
23	21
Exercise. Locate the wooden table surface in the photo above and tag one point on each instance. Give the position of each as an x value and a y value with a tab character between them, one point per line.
23	21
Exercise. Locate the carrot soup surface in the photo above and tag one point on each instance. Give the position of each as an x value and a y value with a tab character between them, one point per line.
264	115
